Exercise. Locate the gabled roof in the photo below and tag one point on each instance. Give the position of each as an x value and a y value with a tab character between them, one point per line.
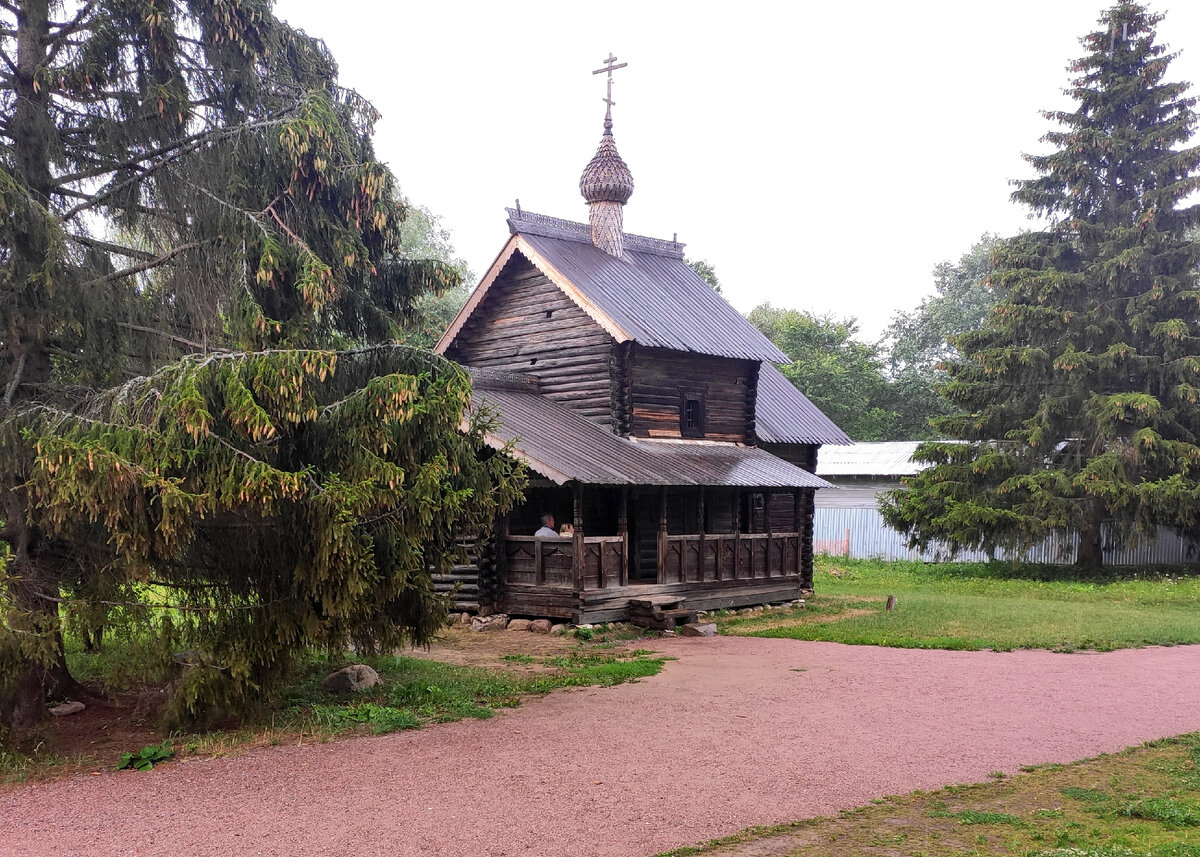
649	296
889	458
563	446
783	414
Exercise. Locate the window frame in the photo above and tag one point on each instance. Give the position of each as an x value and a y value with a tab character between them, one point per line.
686	395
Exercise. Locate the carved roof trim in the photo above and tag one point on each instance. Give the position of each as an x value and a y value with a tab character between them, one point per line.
553	227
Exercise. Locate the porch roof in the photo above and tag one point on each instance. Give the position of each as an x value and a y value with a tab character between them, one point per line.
564	446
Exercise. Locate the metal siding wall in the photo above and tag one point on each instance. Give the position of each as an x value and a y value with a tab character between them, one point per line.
871	538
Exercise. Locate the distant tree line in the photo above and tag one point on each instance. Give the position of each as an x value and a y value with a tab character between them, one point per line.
887	390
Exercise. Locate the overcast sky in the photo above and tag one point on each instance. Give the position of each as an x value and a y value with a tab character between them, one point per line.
820	156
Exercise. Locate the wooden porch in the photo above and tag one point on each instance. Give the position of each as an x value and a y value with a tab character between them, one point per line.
587	578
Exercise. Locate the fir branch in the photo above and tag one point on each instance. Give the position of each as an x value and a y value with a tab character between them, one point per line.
144	266
179	340
13	384
170	154
97	244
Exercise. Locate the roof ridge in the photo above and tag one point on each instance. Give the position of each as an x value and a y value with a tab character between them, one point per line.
532	223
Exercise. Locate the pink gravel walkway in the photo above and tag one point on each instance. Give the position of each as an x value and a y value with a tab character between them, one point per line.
735	732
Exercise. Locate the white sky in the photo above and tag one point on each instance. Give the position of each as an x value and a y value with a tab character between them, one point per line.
820	156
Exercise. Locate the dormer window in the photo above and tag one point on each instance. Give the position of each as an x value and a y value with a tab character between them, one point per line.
691	413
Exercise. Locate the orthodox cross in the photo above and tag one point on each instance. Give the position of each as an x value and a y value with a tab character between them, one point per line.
609	67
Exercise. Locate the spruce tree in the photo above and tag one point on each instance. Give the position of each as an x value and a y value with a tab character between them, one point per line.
1077	403
188	181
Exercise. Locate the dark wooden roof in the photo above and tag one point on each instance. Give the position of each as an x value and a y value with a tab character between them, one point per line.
649	296
785	415
563	446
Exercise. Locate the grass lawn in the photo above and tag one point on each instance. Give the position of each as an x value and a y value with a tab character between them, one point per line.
1141	802
985	606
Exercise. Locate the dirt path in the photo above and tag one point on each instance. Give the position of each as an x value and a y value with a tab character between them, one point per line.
736	732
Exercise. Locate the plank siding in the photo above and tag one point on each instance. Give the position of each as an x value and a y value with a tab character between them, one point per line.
526	324
656	377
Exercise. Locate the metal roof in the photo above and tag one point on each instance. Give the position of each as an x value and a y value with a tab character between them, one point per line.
650	292
893	458
783	414
563	446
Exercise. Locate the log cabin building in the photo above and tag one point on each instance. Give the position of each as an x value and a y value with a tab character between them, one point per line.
650	415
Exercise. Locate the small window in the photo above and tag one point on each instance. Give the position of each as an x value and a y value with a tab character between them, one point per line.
691	413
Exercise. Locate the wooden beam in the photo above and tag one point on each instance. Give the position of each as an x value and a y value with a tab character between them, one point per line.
798	529
623	532
767	496
737	532
662	535
577	560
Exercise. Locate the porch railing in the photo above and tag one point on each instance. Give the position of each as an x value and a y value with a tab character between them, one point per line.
695	558
727	556
550	562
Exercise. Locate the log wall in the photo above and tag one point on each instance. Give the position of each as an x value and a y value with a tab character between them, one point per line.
526	324
655	379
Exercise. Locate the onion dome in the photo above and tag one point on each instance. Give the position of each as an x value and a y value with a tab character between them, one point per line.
606	178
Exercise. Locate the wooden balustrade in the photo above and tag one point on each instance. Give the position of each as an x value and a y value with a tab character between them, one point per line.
695	558
550	562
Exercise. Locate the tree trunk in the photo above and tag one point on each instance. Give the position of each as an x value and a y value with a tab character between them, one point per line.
26	362
1090	554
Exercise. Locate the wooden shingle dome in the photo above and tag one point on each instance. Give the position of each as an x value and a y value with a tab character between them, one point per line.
606	178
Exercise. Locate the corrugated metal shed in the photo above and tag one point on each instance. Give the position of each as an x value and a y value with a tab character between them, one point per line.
563	446
862	534
650	292
785	415
870	459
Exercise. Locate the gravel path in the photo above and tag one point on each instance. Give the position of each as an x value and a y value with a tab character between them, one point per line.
737	731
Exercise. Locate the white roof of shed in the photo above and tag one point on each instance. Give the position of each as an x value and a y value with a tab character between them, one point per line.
892	458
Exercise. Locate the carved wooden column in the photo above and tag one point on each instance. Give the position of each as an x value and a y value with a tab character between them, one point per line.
737	532
623	532
806	542
662	535
700	554
767	525
797	526
577	538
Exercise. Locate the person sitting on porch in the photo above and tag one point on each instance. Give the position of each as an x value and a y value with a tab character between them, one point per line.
546	530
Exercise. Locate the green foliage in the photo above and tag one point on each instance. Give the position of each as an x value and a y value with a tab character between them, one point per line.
257	506
975	816
423	236
706	272
842	376
1075	401
188	180
1170	812
145	758
917	344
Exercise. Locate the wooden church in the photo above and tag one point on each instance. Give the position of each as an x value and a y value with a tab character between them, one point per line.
650	415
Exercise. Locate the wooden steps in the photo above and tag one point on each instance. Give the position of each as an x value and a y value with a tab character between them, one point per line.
660	613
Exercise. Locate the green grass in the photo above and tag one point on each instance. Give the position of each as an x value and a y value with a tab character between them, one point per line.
1140	802
416	691
986	606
